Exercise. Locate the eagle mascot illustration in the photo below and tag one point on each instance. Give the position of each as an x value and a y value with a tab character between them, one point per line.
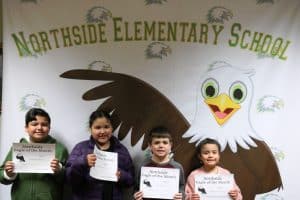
224	98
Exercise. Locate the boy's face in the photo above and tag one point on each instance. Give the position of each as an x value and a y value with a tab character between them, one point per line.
38	129
160	147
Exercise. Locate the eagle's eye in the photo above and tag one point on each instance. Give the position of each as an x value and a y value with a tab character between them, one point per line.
238	92
210	88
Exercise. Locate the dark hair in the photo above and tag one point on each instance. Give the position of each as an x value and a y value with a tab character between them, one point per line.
33	112
207	141
159	132
98	114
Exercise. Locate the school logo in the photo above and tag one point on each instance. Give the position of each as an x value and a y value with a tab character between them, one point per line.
32	101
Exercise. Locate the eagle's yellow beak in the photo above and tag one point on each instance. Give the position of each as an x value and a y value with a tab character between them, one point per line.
222	107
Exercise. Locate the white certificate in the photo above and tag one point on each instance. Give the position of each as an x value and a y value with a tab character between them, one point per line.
160	183
106	166
33	157
214	186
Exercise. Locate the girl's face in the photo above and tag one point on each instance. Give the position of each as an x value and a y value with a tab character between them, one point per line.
210	155
38	129
101	130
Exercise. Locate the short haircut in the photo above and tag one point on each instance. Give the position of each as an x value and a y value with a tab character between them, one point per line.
33	112
99	114
207	141
159	132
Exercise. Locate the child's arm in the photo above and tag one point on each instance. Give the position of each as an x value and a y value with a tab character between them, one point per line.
138	195
126	169
6	170
178	196
235	193
76	167
192	196
58	163
91	159
55	165
9	170
181	193
190	188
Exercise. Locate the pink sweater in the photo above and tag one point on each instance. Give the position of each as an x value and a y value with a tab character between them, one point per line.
190	183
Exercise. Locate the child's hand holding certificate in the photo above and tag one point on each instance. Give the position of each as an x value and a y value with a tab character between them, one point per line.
214	186
106	166
161	183
33	157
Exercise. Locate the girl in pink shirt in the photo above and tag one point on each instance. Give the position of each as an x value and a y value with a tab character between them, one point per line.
208	152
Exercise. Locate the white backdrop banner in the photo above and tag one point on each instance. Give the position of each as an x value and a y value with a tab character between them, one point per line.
227	70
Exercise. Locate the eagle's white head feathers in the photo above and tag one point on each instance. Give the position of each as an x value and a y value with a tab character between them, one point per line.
223	108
